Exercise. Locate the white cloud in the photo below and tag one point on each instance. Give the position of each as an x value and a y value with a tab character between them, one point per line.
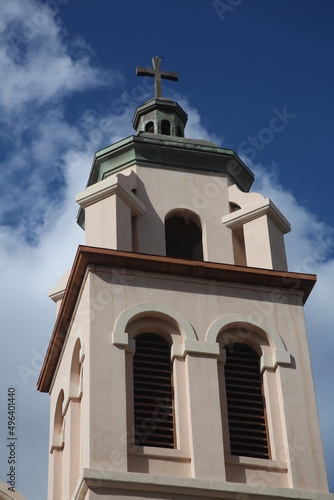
195	128
311	240
42	70
30	271
38	64
310	250
48	150
38	232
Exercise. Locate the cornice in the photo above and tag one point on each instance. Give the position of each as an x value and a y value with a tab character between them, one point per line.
281	280
161	151
240	217
155	486
106	188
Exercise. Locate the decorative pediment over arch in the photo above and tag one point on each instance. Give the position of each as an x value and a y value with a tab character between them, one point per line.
276	355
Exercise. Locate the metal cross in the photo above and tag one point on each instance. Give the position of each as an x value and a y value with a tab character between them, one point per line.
157	73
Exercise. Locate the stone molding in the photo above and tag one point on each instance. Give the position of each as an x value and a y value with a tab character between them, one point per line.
109	187
120	337
280	282
161	453
187	487
194	347
191	345
279	354
257	463
57	441
237	219
55	294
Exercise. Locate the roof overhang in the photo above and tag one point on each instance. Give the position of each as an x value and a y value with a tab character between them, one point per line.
282	281
167	152
161	151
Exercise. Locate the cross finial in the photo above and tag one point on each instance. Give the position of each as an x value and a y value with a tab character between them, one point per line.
157	73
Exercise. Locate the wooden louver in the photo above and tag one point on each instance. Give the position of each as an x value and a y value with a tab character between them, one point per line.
152	382
245	402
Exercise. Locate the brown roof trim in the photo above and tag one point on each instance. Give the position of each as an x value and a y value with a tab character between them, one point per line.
155	264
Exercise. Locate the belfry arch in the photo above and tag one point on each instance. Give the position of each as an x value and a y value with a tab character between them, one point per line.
184	235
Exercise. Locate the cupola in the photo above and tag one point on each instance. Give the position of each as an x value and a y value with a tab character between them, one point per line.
159	115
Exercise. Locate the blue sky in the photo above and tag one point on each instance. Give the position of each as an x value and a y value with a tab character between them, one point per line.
69	88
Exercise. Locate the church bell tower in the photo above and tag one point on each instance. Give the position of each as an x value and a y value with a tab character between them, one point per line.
178	366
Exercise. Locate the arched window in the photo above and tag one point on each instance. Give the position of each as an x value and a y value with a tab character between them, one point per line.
179	131
153	397
234	207
58	419
245	402
149	127
183	238
75	365
165	127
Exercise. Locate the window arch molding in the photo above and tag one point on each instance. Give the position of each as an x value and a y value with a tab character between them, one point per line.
253	333
121	337
158	325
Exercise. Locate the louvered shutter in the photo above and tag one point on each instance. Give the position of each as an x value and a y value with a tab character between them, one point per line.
153	397
245	402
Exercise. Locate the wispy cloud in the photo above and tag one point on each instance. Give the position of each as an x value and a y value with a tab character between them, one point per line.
38	64
310	250
42	69
195	128
47	161
311	241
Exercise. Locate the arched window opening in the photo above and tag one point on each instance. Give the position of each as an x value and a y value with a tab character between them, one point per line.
58	420
75	365
149	127
153	396
183	238
234	207
245	402
179	132
165	127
